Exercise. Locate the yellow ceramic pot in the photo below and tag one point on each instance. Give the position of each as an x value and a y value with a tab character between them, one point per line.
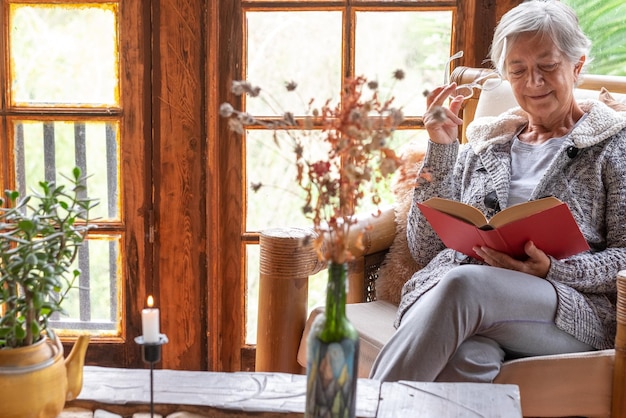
35	381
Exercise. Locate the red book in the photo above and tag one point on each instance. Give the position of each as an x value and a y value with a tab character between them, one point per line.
547	222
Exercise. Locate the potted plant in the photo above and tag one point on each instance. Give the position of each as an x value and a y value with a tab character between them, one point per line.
40	235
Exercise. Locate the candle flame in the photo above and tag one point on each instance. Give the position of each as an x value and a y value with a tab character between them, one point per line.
150	301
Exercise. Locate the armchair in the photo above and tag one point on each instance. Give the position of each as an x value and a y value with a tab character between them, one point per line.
591	384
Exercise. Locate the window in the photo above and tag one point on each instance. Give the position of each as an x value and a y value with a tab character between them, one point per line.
64	106
311	46
63	111
66	47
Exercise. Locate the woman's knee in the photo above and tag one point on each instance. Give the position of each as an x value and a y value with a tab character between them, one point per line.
464	282
478	359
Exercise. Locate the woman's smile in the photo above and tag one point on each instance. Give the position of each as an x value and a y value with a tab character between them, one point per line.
540	96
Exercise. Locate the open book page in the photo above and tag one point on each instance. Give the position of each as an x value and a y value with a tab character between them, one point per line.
474	216
457	209
547	222
522	210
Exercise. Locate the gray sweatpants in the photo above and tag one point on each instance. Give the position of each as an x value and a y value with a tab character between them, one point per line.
462	329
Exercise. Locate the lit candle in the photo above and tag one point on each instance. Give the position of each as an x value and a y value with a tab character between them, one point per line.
150	322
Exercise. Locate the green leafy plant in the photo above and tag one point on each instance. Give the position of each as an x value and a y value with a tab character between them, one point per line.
40	235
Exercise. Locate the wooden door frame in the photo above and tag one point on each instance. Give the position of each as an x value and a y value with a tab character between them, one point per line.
180	173
226	251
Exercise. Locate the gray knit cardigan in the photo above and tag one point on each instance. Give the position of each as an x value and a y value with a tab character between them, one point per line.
591	180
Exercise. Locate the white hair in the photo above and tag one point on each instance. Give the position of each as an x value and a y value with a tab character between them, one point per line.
552	18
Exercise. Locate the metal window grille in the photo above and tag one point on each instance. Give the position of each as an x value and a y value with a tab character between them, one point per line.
85	292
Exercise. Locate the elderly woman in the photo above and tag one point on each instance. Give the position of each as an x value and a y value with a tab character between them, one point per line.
459	318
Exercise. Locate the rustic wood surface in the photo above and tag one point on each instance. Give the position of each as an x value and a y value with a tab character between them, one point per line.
223	394
419	399
179	158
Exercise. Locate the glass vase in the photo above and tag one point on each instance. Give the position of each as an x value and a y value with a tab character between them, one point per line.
332	354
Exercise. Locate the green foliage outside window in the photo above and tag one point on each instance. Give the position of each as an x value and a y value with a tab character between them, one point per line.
604	21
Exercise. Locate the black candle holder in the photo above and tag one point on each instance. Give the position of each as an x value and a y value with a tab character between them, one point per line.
151	353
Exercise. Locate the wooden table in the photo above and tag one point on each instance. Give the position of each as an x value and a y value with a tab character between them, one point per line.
240	394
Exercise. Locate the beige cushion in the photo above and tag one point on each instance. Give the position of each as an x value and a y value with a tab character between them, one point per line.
495	100
374	320
614	101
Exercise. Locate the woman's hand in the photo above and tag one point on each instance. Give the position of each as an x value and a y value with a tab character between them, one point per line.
443	123
537	263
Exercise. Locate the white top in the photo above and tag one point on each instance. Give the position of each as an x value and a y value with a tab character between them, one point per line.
528	163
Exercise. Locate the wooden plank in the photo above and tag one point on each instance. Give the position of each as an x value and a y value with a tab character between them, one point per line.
419	399
239	394
125	391
225	187
179	179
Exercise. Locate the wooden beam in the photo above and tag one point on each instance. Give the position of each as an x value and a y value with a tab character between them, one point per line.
179	183
225	250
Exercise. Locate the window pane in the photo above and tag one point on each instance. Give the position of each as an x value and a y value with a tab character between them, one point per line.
253	273
304	47
72	54
274	197
416	42
604	22
92	305
48	150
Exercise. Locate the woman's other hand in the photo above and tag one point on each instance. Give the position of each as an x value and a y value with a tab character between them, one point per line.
537	263
442	123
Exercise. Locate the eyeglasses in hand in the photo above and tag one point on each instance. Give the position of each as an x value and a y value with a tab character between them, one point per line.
467	90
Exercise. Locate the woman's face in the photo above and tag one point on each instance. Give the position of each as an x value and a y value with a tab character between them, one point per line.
541	76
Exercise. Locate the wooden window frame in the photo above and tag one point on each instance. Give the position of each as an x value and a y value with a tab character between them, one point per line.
475	20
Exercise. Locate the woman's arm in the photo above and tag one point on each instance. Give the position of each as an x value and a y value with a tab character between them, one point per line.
595	271
435	178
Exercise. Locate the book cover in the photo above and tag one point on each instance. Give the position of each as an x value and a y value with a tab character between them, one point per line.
547	222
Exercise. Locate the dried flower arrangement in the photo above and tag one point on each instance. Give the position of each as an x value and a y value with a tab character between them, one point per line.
356	133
